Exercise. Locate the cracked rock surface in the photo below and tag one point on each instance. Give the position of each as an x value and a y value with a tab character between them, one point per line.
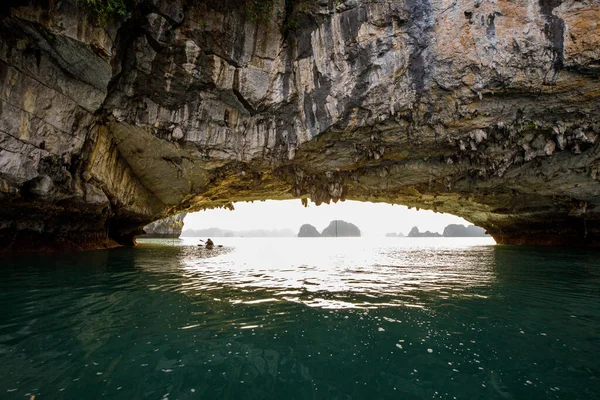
166	228
485	109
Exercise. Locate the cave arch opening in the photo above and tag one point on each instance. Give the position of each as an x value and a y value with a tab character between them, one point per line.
290	218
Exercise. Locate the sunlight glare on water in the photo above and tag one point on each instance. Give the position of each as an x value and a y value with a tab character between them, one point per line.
353	318
349	266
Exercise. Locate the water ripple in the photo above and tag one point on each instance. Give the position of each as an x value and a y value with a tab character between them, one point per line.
304	319
330	266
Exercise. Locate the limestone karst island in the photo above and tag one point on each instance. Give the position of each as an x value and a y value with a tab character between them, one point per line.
299	199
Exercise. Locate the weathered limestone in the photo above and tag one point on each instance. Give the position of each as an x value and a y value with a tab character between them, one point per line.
169	227
485	109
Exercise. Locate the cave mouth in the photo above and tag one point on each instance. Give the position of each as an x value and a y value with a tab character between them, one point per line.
292	218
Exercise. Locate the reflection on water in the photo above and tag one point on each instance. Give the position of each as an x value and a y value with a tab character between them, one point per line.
349	273
303	319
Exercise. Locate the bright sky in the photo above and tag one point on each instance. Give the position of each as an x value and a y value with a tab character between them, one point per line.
373	219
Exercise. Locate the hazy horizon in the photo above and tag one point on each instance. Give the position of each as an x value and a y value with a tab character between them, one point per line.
373	219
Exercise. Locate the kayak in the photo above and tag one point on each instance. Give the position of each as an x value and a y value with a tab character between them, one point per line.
210	246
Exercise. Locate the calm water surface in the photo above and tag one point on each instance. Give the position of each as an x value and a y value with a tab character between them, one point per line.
302	319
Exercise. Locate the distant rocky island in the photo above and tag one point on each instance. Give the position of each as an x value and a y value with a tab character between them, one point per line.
394	234
452	230
218	232
414	232
307	230
455	230
337	228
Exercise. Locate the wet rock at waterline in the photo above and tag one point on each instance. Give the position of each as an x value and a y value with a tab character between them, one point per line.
486	110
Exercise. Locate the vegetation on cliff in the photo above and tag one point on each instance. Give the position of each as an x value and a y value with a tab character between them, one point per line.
104	11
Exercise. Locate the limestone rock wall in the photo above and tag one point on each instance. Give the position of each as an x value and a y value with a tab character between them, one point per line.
482	108
169	227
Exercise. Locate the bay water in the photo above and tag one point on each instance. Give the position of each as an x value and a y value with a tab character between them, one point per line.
291	318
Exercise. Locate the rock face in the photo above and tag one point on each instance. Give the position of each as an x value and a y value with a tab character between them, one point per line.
414	232
454	230
340	228
169	227
307	230
486	110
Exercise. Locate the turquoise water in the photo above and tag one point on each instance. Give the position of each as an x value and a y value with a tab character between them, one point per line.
302	319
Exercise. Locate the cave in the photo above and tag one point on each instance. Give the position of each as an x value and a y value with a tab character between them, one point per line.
490	112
